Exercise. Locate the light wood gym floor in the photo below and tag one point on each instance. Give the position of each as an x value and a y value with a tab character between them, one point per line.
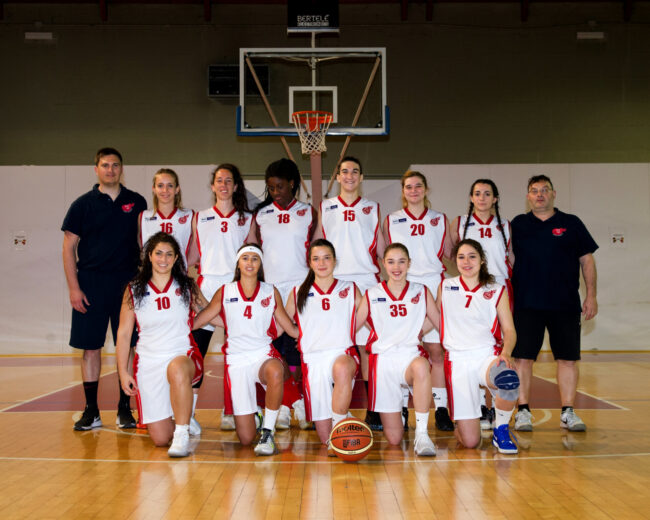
49	471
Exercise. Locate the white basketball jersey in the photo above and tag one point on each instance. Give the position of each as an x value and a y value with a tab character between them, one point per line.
163	322
469	316
285	240
424	237
328	320
178	224
353	231
488	234
218	239
395	320
249	323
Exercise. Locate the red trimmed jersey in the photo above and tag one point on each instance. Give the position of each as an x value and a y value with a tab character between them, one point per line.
249	323
328	320
163	321
178	224
219	237
285	240
353	229
424	237
469	316
488	234
395	320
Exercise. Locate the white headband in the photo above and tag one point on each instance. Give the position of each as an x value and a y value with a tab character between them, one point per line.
250	249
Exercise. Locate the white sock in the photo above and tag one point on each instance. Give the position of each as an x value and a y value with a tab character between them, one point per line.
337	418
421	422
502	417
483	401
196	398
440	397
405	396
270	416
182	427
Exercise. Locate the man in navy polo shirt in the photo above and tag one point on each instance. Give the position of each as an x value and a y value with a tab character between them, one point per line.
100	255
550	249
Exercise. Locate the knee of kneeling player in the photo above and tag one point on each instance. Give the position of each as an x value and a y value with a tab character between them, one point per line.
506	381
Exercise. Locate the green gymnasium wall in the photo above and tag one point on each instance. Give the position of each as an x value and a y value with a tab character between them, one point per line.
475	86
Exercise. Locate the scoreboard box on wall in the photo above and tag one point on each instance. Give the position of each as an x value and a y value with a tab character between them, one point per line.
313	16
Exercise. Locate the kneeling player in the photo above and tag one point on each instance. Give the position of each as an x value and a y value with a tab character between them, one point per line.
475	314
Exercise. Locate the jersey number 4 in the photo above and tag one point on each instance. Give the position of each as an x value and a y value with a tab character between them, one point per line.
248	312
398	310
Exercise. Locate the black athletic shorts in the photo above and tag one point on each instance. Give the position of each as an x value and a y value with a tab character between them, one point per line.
286	346
563	331
104	291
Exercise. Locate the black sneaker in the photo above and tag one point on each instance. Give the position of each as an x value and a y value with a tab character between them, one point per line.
405	418
89	419
443	421
374	421
125	419
486	418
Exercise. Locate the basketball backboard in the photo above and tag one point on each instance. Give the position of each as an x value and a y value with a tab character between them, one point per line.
349	82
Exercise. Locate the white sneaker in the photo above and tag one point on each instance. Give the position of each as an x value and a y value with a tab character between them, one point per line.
284	418
301	415
180	444
266	446
195	427
424	446
524	421
570	420
227	422
259	418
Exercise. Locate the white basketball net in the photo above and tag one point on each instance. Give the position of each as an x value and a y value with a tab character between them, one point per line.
312	128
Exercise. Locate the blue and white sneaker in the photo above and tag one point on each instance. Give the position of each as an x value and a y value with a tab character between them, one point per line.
503	441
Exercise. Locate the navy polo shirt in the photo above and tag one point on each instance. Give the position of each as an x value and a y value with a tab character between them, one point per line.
108	230
546	274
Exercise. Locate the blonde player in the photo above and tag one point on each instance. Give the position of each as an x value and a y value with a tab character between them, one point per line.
425	233
396	311
218	233
159	301
324	309
351	223
484	224
284	226
249	308
476	315
168	214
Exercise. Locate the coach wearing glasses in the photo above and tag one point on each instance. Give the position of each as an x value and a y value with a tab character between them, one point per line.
550	249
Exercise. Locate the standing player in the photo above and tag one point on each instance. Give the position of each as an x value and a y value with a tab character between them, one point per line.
284	226
396	311
484	224
425	233
218	233
168	214
159	302
475	313
249	308
351	223
100	256
324	309
552	249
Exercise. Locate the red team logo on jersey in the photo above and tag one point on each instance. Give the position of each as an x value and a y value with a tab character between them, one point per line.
126	208
434	221
178	291
265	302
182	220
367	210
488	294
558	232
301	212
415	299
344	293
